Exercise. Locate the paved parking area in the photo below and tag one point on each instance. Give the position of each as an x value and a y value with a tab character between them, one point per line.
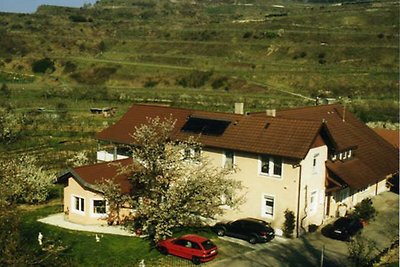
307	250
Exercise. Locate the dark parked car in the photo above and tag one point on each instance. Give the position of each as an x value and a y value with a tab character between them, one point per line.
196	248
252	230
343	228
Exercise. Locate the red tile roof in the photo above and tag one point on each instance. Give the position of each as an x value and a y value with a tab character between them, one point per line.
88	176
392	136
290	138
375	158
290	134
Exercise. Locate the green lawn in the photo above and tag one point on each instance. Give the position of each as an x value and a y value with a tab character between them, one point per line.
83	250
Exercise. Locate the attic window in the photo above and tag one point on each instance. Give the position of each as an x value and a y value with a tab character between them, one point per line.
344	155
205	126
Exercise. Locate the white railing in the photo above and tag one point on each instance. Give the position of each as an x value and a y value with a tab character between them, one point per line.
107	156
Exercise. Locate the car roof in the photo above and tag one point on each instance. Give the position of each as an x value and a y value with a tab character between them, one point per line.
253	220
194	238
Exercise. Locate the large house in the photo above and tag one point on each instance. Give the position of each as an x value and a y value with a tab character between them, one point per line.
315	161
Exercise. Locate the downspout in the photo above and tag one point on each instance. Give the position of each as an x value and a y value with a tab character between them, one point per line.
305	209
298	204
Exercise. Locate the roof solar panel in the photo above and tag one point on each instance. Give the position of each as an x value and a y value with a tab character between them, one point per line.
205	126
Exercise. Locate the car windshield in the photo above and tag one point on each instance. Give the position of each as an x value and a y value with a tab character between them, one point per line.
208	245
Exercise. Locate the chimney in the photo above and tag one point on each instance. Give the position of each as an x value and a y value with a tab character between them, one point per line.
271	112
239	108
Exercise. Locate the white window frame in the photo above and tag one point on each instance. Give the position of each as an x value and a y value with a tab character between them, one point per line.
81	209
263	206
224	159
271	166
97	215
313	201
192	154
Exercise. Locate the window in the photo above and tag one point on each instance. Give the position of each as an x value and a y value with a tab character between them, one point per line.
264	164
267	206
181	242
277	166
78	204
188	153
229	161
313	202
343	194
315	163
271	165
99	206
192	153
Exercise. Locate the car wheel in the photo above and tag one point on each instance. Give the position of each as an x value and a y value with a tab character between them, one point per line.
253	240
196	260
220	232
163	250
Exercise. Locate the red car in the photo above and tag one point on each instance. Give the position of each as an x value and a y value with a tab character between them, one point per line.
196	248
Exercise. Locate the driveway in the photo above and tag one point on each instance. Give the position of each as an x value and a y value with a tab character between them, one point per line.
307	250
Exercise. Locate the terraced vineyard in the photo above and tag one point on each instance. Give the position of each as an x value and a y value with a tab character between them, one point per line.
201	54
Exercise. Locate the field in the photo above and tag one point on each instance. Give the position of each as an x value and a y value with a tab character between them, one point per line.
60	62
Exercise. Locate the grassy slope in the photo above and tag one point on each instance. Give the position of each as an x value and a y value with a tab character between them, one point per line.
137	51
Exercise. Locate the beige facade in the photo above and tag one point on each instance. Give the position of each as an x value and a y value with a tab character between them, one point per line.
300	187
86	207
344	200
267	196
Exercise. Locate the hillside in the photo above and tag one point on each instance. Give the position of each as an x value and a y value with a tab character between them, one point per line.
202	54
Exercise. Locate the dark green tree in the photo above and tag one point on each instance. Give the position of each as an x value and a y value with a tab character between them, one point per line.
288	225
365	210
5	92
43	65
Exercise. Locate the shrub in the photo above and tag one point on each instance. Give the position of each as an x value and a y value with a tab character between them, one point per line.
288	225
97	75
43	65
365	210
77	18
247	35
360	250
69	67
219	82
101	46
271	35
150	83
5	92
195	79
